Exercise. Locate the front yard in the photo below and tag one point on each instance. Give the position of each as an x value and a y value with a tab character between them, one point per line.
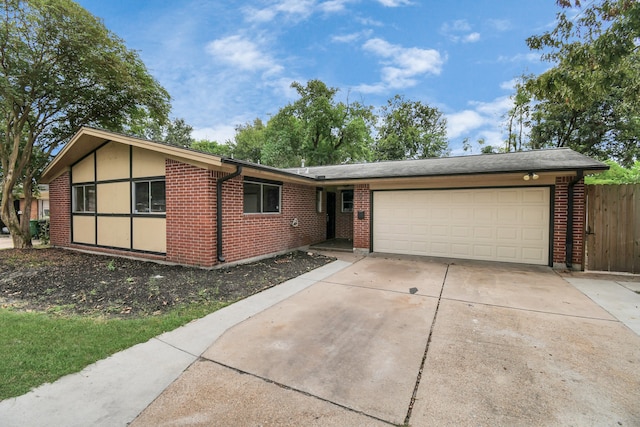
62	310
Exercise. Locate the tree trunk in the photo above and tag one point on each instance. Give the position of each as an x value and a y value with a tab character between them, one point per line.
17	227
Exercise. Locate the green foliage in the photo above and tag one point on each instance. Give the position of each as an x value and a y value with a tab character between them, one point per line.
616	174
318	129
62	69
37	348
590	99
410	130
249	141
212	147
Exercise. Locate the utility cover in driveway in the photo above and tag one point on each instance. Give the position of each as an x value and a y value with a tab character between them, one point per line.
493	224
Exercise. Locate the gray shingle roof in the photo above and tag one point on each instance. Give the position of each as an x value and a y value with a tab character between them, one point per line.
560	159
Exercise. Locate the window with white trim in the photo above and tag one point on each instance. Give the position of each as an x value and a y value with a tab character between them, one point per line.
261	197
84	198
347	201
149	197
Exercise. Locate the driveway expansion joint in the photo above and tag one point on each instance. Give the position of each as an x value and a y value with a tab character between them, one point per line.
530	310
286	387
426	350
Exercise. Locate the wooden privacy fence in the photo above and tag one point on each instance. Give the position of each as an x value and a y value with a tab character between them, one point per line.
613	227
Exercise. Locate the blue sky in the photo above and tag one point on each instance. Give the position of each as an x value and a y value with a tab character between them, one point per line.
228	62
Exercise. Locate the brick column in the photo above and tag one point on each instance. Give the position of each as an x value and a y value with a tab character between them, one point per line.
60	210
191	214
361	227
560	216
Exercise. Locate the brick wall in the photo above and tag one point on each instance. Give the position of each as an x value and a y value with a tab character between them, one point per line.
560	215
344	220
362	227
191	214
251	235
60	210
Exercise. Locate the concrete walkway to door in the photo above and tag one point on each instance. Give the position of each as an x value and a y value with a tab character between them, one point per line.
394	340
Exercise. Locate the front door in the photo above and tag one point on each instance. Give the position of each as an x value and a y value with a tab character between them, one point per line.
331	215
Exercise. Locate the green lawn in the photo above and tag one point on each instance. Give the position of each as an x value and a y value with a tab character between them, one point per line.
36	348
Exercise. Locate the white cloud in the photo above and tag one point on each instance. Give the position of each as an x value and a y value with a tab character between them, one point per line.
509	85
520	57
459	31
457	26
471	38
402	66
350	38
293	10
483	120
243	54
499	24
496	108
220	133
394	3
333	6
461	123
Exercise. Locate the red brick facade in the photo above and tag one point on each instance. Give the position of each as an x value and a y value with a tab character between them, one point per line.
60	210
560	216
362	227
251	235
191	225
344	220
191	214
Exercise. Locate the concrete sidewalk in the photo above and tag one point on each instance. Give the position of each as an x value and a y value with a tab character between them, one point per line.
5	241
113	391
619	298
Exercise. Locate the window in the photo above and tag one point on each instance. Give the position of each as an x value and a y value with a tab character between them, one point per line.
261	197
149	197
84	198
318	200
347	201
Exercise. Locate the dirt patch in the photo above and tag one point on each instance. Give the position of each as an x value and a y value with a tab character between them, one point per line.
73	282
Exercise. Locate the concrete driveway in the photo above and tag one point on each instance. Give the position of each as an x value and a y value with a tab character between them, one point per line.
389	341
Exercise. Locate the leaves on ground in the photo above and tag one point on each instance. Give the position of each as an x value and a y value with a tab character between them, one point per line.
67	282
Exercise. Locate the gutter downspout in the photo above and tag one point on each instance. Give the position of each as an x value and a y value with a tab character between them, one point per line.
569	238
219	183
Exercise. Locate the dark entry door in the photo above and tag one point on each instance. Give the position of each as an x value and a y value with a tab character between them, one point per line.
331	215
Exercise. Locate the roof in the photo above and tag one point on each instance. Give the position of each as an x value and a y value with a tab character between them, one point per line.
552	160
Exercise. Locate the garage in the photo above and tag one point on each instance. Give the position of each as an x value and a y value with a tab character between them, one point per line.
494	224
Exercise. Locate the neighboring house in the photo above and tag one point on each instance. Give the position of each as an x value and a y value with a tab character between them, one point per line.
128	196
39	203
39	206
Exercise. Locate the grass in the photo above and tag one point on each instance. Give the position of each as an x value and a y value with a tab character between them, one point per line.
36	348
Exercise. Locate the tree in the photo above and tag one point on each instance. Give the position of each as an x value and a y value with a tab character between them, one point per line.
616	174
175	132
519	117
60	69
590	99
410	130
249	140
212	147
318	129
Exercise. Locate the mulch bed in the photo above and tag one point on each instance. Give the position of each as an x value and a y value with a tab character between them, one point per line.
63	281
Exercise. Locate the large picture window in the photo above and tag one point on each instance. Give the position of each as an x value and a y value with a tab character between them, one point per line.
261	197
149	197
84	198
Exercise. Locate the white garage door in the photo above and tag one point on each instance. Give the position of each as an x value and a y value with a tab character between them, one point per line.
501	224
